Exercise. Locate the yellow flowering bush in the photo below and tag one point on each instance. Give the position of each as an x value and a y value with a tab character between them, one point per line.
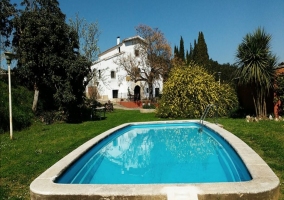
189	89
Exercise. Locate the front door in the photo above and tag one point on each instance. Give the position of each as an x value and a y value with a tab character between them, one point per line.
137	93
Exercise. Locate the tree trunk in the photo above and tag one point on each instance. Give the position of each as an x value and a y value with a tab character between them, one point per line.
260	105
255	106
150	85
35	98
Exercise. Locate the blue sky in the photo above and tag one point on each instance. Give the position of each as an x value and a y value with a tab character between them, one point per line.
223	22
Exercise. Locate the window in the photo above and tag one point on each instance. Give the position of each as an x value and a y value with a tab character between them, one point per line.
112	74
157	92
136	52
115	94
99	73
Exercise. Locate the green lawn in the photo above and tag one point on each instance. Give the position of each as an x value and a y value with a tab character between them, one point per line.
34	150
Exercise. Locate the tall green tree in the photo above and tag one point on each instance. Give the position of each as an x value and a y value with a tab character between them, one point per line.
256	67
200	55
181	49
187	57
176	52
194	51
190	55
48	58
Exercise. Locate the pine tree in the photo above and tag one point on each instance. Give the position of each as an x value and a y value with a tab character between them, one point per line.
190	56
187	57
176	52
201	54
181	49
194	51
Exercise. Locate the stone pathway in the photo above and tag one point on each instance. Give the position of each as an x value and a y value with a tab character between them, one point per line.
118	106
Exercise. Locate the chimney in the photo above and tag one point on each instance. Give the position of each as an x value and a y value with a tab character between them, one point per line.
117	40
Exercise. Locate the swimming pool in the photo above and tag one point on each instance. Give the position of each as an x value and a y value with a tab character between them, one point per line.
158	153
129	148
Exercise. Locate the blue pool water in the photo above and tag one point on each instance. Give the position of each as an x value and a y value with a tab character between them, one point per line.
158	153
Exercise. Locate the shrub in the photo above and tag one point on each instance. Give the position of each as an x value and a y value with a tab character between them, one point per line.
279	89
190	89
21	107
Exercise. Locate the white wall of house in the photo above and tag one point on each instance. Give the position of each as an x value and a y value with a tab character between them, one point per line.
113	83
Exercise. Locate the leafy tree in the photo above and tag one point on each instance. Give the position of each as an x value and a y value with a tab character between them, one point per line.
190	89
227	71
256	67
153	62
48	58
70	86
37	44
7	11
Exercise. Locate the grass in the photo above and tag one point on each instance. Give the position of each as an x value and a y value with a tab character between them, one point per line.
266	138
37	148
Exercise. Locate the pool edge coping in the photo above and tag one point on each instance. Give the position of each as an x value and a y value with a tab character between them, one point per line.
263	180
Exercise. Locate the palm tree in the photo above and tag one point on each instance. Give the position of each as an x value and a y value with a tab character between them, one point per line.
256	67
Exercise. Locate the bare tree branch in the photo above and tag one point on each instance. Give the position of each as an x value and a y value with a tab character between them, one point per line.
152	61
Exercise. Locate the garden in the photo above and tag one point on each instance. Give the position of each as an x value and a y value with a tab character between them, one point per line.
35	149
58	120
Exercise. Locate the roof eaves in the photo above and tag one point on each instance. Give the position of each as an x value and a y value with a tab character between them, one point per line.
120	44
110	49
110	57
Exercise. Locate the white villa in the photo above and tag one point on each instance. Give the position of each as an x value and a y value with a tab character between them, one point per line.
112	82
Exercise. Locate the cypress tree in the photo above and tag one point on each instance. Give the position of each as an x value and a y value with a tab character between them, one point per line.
201	57
176	53
187	57
194	51
181	49
190	56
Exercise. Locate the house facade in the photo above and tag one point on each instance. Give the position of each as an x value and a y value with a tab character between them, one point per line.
111	81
